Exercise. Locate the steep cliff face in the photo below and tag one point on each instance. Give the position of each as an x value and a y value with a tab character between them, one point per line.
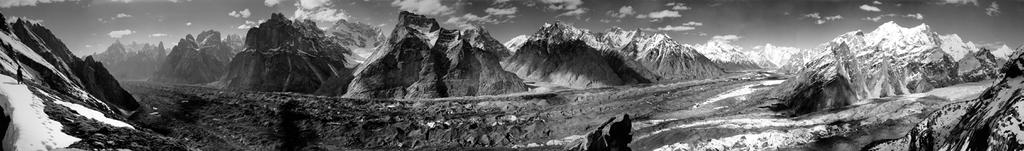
991	122
290	56
569	56
423	60
210	42
189	63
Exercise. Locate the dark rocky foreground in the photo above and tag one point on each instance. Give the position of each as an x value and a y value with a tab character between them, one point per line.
693	115
227	120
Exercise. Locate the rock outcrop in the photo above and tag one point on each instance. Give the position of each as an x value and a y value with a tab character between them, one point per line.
210	42
193	61
422	60
991	122
827	87
616	137
565	55
132	62
888	61
284	55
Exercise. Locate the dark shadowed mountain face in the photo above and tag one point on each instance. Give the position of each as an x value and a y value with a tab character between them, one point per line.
134	61
422	60
189	63
210	42
290	56
990	122
66	71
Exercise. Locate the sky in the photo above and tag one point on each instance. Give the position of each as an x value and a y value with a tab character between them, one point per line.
90	26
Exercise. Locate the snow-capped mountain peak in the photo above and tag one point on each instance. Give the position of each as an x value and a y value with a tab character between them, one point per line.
516	42
719	50
953	45
1003	52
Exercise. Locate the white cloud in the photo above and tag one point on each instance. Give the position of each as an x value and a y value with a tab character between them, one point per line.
563	4
250	24
321	14
120	33
692	23
836	17
992	9
468	20
501	1
17	3
240	14
318	10
821	20
311	4
575	12
869	8
674	28
622	12
188	24
271	3
725	38
423	7
876	3
157	35
917	16
975	2
502	11
661	14
678	6
122	15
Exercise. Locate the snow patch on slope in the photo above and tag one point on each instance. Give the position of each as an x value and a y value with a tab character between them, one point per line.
93	114
30	128
741	92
